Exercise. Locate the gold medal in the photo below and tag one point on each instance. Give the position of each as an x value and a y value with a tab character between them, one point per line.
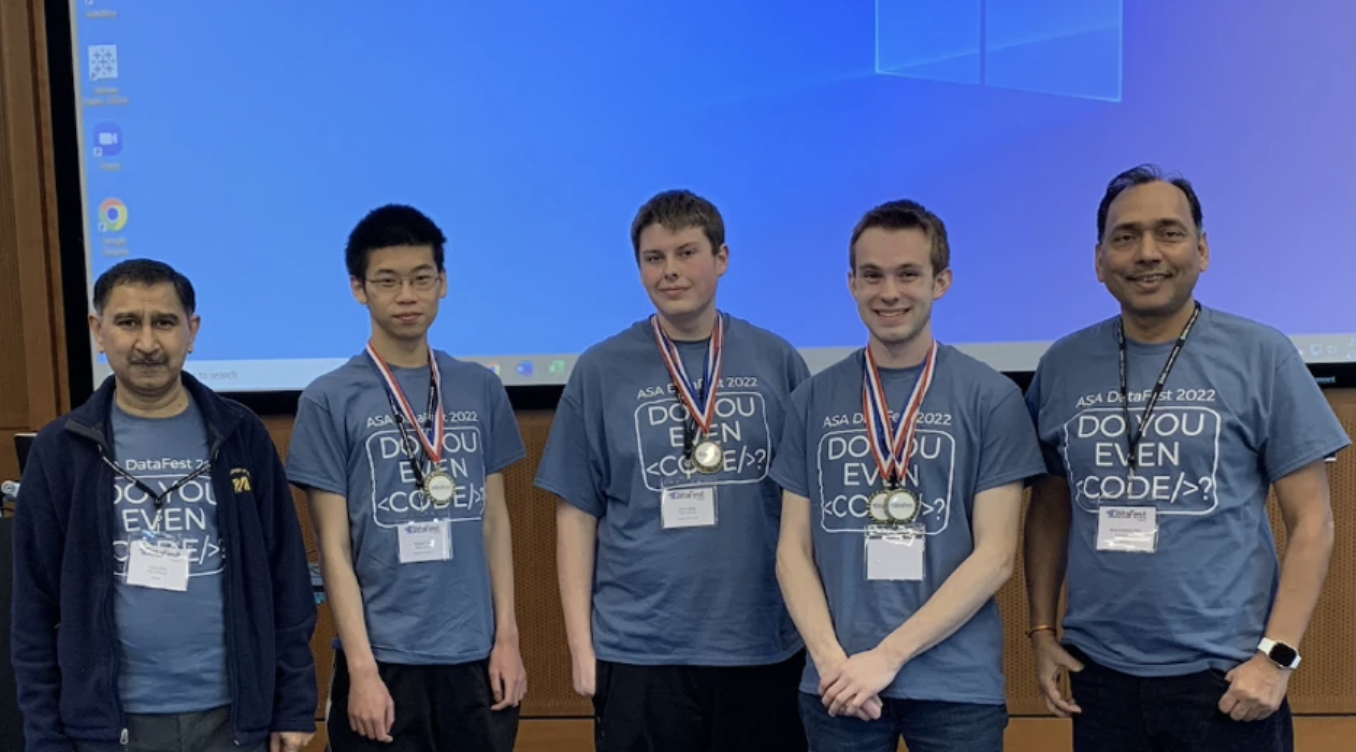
902	505
880	506
707	456
440	488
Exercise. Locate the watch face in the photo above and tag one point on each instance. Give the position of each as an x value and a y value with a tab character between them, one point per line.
1283	654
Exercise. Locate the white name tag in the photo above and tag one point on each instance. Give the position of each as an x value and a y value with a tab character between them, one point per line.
158	563
895	554
425	541
1131	529
689	507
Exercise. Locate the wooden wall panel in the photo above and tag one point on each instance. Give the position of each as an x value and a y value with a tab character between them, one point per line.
32	384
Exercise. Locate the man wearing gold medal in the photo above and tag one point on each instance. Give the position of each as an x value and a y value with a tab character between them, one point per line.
667	520
903	467
401	452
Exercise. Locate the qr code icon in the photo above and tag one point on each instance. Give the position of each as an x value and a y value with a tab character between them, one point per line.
103	62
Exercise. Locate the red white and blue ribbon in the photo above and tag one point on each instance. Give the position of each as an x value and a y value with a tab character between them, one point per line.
701	405
433	445
892	442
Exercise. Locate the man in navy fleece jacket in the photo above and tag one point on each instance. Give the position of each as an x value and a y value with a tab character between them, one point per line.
162	598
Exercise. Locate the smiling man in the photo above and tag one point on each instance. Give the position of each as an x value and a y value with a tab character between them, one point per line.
161	595
903	467
401	452
667	520
1164	429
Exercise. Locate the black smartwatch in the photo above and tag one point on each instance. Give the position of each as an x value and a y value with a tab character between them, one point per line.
1280	653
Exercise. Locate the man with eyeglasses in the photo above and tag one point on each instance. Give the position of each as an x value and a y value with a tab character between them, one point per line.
401	452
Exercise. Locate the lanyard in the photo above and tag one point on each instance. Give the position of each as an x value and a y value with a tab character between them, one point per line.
892	443
412	447
403	413
1135	434
158	498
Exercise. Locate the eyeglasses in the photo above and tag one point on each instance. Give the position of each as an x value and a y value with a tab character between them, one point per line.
391	283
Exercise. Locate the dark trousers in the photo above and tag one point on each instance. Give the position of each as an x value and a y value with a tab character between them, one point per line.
1123	713
209	731
443	708
698	708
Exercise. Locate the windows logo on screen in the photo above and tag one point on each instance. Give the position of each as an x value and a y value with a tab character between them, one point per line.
112	215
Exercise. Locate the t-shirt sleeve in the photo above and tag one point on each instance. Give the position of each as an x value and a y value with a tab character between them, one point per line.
570	465
788	466
1009	449
506	441
317	455
1301	427
1054	461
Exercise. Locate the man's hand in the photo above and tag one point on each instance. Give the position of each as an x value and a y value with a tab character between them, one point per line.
585	673
371	711
1051	661
1256	689
853	686
508	677
288	741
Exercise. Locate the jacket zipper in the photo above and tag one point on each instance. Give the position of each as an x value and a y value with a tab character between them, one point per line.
103	516
220	481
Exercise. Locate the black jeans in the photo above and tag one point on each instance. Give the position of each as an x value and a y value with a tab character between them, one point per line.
444	708
1123	713
698	708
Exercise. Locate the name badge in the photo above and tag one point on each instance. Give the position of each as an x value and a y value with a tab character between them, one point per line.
425	541
688	507
1127	529
895	554
157	561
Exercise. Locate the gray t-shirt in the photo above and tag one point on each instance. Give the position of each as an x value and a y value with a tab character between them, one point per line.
346	441
684	596
173	656
1239	411
973	435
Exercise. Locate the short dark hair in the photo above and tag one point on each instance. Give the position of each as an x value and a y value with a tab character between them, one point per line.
904	214
143	272
679	210
387	227
1143	175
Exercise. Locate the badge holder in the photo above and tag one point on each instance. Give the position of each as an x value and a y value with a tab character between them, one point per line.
894	553
157	561
688	507
1127	530
430	540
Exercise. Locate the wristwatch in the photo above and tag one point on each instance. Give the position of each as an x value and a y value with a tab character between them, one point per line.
1280	653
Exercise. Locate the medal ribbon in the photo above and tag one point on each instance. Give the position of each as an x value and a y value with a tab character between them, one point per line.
891	443
433	447
700	405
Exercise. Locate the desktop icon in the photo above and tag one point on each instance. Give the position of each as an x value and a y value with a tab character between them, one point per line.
494	368
103	62
525	368
112	215
107	140
557	367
